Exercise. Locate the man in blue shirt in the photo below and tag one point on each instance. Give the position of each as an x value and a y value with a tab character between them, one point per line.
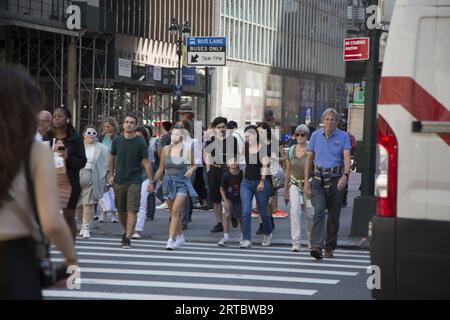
330	148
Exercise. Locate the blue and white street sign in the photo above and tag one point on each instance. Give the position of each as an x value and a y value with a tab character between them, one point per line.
189	76
177	90
206	51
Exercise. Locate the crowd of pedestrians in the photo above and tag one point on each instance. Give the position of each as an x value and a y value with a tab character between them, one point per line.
122	171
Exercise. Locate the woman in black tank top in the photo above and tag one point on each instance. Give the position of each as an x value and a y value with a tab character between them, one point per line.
255	184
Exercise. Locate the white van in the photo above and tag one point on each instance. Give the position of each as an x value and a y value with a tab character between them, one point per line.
410	235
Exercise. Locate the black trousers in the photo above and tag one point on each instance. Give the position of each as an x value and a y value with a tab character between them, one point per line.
19	270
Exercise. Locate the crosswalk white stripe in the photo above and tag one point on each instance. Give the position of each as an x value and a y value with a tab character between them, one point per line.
273	248
119	296
223	275
199	286
225	254
173	257
212	266
138	243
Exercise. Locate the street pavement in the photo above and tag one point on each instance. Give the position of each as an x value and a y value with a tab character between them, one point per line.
201	271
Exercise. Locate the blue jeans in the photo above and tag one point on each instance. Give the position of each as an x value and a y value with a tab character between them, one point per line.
248	191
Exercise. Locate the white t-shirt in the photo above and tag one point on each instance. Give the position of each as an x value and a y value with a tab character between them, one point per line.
38	137
90	149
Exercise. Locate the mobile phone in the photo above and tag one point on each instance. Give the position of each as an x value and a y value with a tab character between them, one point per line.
61	148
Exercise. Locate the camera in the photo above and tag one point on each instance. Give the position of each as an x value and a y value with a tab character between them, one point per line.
52	273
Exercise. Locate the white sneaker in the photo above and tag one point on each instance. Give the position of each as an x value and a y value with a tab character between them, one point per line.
179	241
102	217
295	247
86	232
170	245
136	235
267	240
245	244
162	206
114	218
223	242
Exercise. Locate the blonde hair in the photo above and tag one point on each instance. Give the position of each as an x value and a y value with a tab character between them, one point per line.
112	122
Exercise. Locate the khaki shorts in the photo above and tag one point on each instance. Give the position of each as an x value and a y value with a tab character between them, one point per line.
127	197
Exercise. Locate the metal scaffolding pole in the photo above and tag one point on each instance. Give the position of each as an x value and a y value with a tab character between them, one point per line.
79	83
91	120
62	70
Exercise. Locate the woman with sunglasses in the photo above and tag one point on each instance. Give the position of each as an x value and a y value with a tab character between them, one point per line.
294	183
68	149
92	178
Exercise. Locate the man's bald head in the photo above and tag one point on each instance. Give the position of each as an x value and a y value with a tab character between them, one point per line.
44	121
45	115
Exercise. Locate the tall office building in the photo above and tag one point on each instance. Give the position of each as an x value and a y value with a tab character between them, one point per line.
283	55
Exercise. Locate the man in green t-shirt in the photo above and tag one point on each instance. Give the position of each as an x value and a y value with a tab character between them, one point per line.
129	155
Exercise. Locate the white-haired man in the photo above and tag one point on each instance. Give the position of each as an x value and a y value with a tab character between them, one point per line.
330	148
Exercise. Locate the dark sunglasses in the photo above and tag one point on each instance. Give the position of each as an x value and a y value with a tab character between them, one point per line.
91	133
300	135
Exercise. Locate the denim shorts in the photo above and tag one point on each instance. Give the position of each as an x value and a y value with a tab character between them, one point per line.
173	187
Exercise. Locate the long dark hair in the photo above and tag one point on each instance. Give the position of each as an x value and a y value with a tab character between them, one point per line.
20	102
144	132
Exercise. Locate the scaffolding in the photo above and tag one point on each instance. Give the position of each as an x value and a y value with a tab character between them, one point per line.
46	56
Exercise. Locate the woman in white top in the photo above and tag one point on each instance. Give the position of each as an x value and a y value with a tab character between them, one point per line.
92	178
20	99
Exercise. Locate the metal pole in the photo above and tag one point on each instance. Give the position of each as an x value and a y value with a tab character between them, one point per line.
364	207
62	70
206	94
106	76
93	80
39	59
179	78
79	85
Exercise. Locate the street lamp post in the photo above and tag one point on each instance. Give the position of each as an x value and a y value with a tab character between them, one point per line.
177	30
364	207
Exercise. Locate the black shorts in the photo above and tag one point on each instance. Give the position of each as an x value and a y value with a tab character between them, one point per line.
214	180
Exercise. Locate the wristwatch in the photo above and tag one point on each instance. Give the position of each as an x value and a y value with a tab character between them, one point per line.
347	175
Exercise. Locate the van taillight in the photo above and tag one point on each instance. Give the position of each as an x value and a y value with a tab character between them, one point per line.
387	170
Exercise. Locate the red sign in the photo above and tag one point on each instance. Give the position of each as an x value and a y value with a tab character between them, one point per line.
356	49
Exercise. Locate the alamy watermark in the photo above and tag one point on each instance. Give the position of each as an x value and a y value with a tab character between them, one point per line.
221	151
374	280
73	282
373	18
73	21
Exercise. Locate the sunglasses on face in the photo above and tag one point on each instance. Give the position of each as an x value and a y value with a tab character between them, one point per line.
91	133
300	135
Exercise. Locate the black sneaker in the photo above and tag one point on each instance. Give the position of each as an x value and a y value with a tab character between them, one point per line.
126	243
184	227
234	222
260	229
149	219
317	253
217	228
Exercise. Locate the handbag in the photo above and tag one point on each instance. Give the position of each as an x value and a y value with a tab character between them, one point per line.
277	172
50	273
